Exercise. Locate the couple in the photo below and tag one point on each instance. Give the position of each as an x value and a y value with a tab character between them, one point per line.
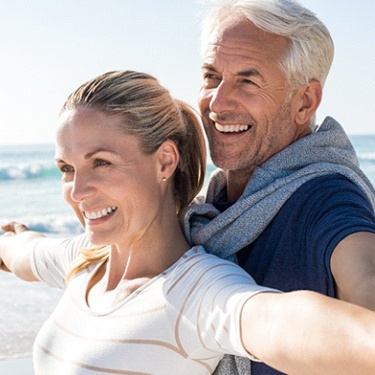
290	202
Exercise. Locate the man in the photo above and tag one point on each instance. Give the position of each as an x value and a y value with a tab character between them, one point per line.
290	200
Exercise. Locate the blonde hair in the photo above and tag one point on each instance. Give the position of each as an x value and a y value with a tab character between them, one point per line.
151	114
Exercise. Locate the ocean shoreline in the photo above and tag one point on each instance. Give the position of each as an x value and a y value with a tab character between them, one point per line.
17	366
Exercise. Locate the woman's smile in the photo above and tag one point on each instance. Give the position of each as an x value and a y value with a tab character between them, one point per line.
99	214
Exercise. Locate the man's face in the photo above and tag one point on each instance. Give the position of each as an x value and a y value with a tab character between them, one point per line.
245	101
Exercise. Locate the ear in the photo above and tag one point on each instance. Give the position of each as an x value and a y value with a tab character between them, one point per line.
307	101
168	157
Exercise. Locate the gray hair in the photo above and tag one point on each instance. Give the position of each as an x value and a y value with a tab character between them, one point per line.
311	47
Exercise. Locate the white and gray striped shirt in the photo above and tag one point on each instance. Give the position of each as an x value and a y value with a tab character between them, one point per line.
181	322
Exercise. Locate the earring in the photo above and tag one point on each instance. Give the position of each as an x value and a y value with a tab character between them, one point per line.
164	179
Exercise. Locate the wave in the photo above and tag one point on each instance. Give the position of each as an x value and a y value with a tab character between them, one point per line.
367	156
26	171
55	225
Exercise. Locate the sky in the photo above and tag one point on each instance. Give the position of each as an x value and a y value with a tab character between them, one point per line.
50	47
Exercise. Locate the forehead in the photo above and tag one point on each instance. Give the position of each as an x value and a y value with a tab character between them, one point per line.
82	128
89	121
238	40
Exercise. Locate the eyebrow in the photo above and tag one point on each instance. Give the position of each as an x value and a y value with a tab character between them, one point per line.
89	155
250	73
209	67
97	151
244	73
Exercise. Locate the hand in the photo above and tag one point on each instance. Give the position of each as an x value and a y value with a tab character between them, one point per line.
3	267
11	229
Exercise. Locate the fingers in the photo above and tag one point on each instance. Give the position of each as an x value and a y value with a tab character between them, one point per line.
14	228
11	229
3	267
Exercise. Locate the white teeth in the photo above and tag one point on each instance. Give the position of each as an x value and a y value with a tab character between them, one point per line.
101	213
231	128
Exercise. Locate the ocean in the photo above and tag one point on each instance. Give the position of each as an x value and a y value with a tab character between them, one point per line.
30	192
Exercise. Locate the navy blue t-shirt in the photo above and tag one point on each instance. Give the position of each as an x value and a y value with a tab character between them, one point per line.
294	251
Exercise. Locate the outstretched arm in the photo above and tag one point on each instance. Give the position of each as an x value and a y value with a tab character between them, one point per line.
15	254
355	256
307	333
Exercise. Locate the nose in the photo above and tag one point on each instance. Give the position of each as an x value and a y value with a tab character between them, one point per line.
81	187
222	98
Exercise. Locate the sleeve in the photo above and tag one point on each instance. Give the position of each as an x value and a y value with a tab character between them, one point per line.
216	305
222	325
303	236
339	209
52	258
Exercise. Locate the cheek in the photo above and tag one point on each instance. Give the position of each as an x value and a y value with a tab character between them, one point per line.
147	201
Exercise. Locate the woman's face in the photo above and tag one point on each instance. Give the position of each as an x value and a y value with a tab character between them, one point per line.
114	188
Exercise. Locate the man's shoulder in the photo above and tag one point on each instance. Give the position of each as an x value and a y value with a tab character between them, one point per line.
332	178
328	183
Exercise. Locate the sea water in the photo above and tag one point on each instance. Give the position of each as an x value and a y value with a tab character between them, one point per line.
30	192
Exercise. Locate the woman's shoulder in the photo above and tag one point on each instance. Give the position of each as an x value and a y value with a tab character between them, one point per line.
197	260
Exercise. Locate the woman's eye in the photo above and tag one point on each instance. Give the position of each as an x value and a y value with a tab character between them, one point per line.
100	163
66	169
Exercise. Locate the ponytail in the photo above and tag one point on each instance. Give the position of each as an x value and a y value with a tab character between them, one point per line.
190	174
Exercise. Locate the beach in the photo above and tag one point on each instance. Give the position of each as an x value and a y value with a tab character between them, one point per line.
30	174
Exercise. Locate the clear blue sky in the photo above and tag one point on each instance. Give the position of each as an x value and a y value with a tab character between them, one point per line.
49	47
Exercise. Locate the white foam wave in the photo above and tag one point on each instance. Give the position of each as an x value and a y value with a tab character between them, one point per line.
56	225
368	156
24	171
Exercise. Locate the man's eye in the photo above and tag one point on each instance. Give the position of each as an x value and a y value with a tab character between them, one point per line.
248	81
211	80
210	76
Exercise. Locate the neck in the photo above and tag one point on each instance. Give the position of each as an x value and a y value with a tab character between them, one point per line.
236	183
149	255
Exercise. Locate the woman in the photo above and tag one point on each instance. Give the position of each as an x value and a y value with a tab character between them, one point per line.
140	300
